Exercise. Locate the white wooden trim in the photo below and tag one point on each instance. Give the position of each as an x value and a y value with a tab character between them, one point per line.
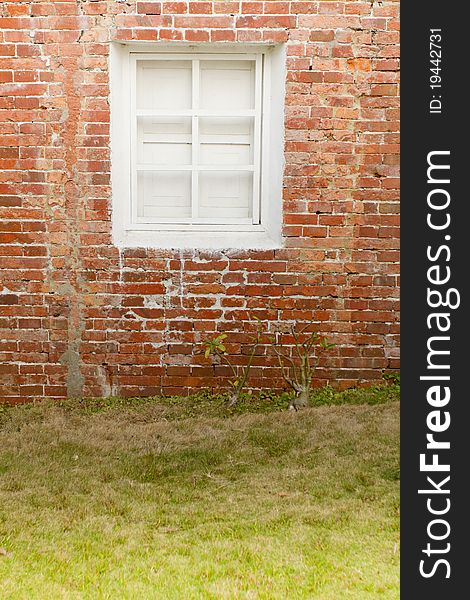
143	112
198	238
194	113
188	224
133	123
195	48
257	140
178	56
195	140
265	140
194	168
243	232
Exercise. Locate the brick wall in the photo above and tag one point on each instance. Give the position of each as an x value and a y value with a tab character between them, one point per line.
80	317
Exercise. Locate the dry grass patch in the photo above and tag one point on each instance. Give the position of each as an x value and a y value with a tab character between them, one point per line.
135	501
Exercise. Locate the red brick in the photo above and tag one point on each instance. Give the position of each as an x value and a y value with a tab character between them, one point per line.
170	34
139	316
321	36
149	8
384	90
222	35
203	21
197	35
177	8
200	8
276	8
277	21
226	7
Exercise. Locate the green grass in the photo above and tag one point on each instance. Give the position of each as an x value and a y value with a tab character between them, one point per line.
178	499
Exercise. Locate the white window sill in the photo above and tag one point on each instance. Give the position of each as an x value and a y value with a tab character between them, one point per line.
202	240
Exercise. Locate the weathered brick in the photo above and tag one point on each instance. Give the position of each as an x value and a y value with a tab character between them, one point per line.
149	8
138	316
274	21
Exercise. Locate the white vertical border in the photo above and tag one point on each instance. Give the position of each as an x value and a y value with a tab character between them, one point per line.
265	125
120	138
133	150
256	209
195	139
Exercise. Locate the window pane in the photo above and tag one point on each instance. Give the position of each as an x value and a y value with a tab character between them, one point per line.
227	84
164	140
163	84
226	141
225	194
165	194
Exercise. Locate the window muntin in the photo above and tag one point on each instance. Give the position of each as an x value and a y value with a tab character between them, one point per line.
195	139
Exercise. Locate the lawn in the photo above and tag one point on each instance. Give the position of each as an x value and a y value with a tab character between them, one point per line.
179	499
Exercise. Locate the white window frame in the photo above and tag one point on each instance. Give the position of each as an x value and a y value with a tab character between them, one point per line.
263	230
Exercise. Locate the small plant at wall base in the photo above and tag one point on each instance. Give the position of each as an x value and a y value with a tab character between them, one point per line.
298	365
216	348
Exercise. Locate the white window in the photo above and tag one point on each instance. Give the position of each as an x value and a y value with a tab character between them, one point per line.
192	148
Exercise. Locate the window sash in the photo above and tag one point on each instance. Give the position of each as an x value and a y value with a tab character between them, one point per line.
195	114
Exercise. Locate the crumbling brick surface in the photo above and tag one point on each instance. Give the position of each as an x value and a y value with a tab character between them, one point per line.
79	317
